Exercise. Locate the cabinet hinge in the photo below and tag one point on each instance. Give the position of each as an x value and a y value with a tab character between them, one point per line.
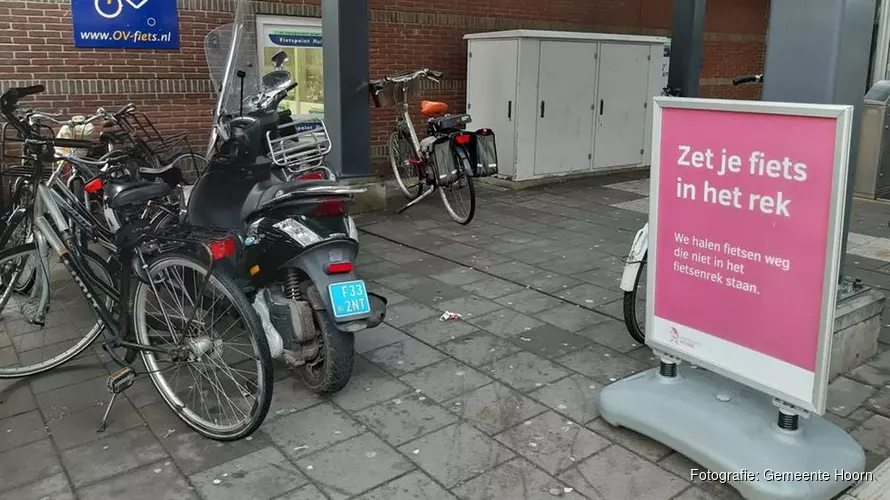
642	151
645	104
589	156
592	107
596	55
470	54
469	105
649	57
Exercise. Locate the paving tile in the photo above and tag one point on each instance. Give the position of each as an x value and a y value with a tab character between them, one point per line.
845	395
379	336
604	277
576	397
459	276
617	474
15	397
512	270
308	492
505	322
112	455
54	487
403	255
552	442
27	464
645	355
369	460
79	428
78	370
874	435
612	334
484	260
368	385
80	396
311	430
570	266
525	371
430	265
478	348
548	282
682	467
141	394
260	475
408	312
152	482
403	357
570	317
494	407
455	250
492	288
587	295
392	297
468	306
291	395
871	375
880	402
445	379
191	451
635	442
529	301
412	486
602	364
379	270
456	453
614	309
434	331
21	429
550	342
516	479
881	361
402	419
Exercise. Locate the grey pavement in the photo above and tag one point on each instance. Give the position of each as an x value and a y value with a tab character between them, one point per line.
500	404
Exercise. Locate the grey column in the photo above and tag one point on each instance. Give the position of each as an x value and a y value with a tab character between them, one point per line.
818	51
345	27
687	35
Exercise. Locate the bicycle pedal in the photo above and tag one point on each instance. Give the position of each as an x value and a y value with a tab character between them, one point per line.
121	380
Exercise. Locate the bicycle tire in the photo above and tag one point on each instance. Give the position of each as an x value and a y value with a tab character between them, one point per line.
249	318
630	307
394	162
76	349
464	174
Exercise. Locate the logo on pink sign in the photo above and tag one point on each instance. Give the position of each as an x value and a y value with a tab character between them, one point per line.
743	214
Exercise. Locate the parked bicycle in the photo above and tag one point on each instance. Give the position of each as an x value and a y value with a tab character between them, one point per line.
172	314
447	159
633	278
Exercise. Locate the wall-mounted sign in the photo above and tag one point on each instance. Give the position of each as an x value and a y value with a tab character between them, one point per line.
748	204
131	24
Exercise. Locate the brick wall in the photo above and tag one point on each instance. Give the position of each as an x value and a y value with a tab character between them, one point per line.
36	45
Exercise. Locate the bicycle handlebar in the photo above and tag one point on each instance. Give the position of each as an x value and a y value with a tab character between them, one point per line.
747	79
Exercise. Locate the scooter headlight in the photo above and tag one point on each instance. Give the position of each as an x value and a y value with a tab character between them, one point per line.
300	233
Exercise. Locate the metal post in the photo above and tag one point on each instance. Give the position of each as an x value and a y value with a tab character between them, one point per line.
817	51
882	45
345	29
687	36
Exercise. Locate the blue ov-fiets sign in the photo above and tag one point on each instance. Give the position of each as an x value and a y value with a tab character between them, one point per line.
132	24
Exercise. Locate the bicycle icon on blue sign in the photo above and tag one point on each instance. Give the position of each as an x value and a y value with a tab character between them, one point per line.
110	9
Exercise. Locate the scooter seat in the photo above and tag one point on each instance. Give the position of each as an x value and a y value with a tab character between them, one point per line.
265	193
124	193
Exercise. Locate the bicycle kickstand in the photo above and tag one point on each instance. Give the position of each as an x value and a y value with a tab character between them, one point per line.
118	382
416	200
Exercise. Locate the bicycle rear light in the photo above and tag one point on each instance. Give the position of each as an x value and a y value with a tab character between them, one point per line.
330	208
222	248
311	176
463	139
93	186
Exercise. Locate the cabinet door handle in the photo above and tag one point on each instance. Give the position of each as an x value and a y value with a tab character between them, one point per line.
542	109
601	107
509	110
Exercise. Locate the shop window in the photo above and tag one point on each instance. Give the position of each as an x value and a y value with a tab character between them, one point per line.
300	39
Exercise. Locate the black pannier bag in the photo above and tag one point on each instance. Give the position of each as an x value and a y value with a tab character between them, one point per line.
485	159
445	160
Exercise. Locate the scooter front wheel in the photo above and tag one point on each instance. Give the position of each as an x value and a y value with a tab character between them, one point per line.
635	306
331	370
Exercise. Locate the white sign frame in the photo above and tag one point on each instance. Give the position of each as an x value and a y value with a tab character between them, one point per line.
815	399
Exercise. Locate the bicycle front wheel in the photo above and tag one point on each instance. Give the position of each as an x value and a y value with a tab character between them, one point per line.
401	152
635	306
27	349
459	197
205	330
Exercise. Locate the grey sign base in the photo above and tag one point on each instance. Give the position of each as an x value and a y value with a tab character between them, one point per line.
727	427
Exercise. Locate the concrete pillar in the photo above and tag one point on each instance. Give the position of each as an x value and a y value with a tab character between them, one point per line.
345	35
687	35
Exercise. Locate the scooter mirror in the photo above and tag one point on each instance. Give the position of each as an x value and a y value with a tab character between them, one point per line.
279	59
276	81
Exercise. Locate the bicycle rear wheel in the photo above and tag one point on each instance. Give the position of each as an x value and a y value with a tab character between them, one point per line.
27	349
204	349
462	205
635	306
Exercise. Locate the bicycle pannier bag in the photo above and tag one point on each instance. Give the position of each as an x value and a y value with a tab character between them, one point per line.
445	160
486	158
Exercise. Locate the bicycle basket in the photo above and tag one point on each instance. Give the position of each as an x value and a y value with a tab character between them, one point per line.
445	160
299	143
381	93
484	154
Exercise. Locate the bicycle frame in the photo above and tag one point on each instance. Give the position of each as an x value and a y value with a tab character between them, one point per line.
405	118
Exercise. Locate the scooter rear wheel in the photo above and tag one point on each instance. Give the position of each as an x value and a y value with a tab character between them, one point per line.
332	369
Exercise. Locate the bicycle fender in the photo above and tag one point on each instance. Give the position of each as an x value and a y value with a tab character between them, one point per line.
638	250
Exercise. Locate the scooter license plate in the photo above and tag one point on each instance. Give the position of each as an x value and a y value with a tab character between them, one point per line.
349	299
